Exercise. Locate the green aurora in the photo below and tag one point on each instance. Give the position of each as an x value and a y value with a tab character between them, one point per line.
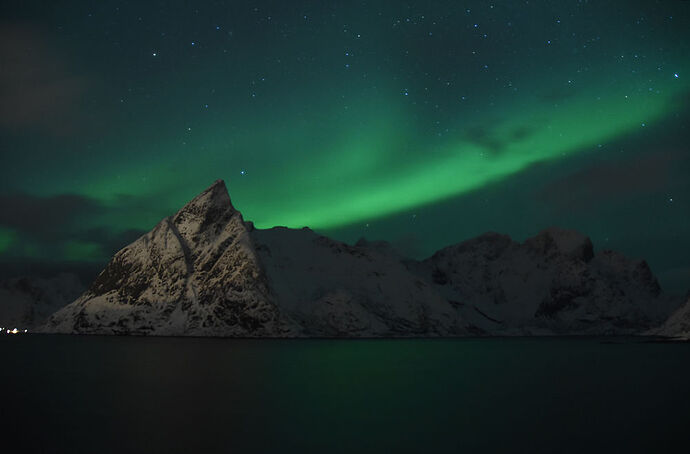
389	120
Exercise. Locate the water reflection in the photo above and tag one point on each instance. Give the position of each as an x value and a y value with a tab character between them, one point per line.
117	394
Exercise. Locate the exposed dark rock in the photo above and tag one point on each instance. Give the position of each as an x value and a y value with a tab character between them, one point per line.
206	271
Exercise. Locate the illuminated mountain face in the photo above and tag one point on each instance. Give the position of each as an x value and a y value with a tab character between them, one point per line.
421	124
206	272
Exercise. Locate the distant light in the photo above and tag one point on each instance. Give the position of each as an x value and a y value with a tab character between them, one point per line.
675	75
193	43
26	330
217	27
14	331
243	172
154	54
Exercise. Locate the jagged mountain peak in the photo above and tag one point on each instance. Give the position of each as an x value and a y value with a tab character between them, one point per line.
206	215
564	241
204	271
213	201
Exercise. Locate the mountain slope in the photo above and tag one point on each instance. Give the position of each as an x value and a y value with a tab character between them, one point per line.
195	273
334	289
552	283
678	324
207	272
27	302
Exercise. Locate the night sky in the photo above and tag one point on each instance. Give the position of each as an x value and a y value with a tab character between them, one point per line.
421	123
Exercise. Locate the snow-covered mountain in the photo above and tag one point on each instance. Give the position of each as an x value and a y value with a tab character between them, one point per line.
552	283
205	271
333	289
26	302
195	273
678	324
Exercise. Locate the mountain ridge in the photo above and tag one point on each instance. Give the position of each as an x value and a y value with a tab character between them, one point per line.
205	271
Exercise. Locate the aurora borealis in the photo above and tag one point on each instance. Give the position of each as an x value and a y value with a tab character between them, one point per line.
422	123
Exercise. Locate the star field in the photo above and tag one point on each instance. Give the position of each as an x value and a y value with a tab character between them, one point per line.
422	123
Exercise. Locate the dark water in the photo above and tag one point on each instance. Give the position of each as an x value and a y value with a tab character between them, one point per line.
116	394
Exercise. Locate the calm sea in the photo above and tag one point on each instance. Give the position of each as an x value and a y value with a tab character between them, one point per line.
166	395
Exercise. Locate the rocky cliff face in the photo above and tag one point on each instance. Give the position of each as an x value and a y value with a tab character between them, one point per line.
204	271
552	283
195	273
27	302
678	324
333	289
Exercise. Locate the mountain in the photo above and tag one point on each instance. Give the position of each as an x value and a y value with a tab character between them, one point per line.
195	273
206	272
27	302
678	324
552	283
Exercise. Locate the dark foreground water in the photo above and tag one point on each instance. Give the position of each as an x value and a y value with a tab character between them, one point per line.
166	395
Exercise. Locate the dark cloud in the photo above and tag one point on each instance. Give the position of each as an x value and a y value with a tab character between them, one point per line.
16	267
487	138
521	133
110	241
46	224
38	90
484	137
611	180
45	216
